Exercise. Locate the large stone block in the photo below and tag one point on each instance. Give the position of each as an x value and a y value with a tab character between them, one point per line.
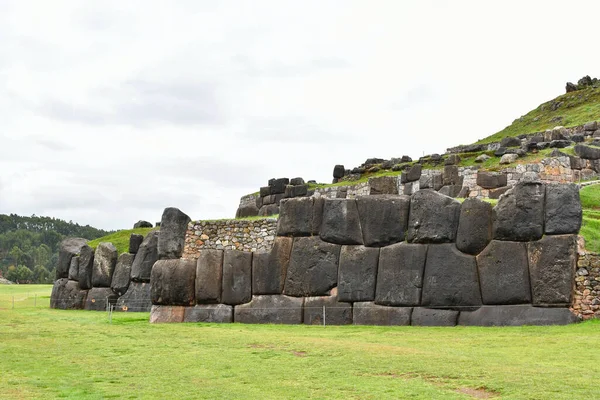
99	298
516	315
85	267
313	267
491	180
219	313
145	258
295	217
166	314
317	220
552	263
278	185
172	282
122	274
450	278
268	210
209	276
142	224
105	260
383	219
338	171
69	248
246	210
587	152
135	241
270	309
171	239
383	185
519	215
237	277
451	176
504	273
400	274
137	298
74	269
433	217
67	295
367	313
269	269
433	317
474	226
563	209
341	224
412	174
357	273
327	310
451	190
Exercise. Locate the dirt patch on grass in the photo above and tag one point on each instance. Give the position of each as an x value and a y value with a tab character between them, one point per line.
299	353
477	393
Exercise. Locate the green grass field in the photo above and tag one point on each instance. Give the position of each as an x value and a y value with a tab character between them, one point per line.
48	354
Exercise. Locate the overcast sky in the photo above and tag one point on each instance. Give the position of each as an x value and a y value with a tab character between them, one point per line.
111	111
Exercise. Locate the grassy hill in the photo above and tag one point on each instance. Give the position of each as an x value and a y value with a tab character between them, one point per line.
120	238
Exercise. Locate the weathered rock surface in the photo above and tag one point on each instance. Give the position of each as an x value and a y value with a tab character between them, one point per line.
172	282
209	276
367	313
383	219
587	152
122	274
172	233
85	266
504	273
237	277
166	314
142	224
563	209
145	258
510	142
269	269
490	180
69	248
400	274
270	309
247	210
412	174
451	190
74	269
336	312
219	313
317	220
67	295
97	299
451	176
295	217
105	260
135	241
313	267
433	317
341	224
383	185
516	315
278	185
433	217
474	227
357	273
338	171
137	298
519	215
508	158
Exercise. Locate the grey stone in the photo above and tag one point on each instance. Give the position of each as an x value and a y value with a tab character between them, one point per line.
145	258
268	210
453	159
490	180
258	202
412	174
510	142
74	268
422	316
296	191
105	260
516	315
317	219
338	171
278	185
98	298
270	309
357	273
68	248
508	158
450	278
367	313
137	298
590	126
313	267
577	138
247	210
482	158
269	271
342	193
341	223
383	219
408	188
577	162
496	193
297	181
237	277
335	313
504	273
451	190
563	209
209	276
560	144
464	192
67	295
295	217
587	152
265	191
171	239
400	274
219	313
433	217
122	274
450	176
142	224
135	241
85	267
166	314
383	185
552	269
172	282
519	215
474	226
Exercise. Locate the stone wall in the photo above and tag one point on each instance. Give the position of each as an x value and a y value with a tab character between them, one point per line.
244	235
424	259
586	299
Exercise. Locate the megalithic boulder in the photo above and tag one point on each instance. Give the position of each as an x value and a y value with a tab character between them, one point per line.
171	239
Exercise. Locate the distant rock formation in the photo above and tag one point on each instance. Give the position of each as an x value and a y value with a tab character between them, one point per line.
584	82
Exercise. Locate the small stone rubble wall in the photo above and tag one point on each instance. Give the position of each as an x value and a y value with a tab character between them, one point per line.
424	259
245	235
586	300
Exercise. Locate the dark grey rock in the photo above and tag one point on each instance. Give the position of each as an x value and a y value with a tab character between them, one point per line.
278	185
451	190
142	224
247	210
313	267
69	248
408	189
587	152
258	202
335	313
137	298
341	223
171	239
453	159
357	273
269	270
464	192
490	180
499	152
474	226
383	219
98	299
577	162
433	217
412	174
543	145
295	217
570	87
552	263
342	193
563	209
105	260
270	309
400	274
450	176
85	267
237	277
296	191
432	317
219	313
268	210
317	219
67	295
172	282
577	138
560	144
504	273
122	274
383	185
496	193
510	142
74	269
367	313
590	126
405	159
209	276
135	241
297	181
338	171
265	191
145	258
450	278
519	215
517	315
269	200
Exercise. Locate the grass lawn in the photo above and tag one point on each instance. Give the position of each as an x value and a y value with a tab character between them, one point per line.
120	238
77	354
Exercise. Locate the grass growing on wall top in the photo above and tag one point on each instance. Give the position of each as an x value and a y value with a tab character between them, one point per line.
120	238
